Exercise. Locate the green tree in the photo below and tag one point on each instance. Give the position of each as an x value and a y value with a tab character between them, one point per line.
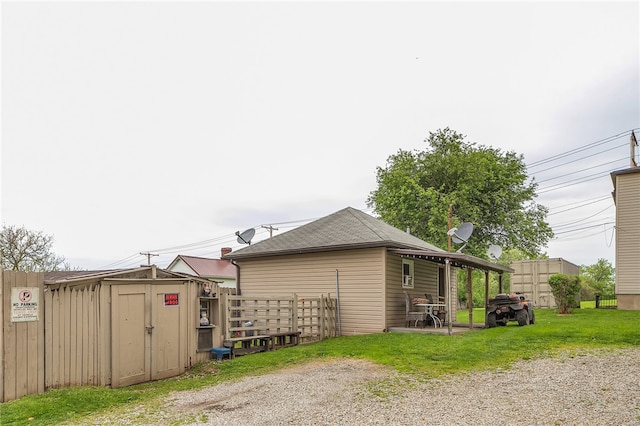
600	277
565	288
25	250
484	186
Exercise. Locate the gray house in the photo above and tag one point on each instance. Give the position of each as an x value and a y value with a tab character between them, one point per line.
364	262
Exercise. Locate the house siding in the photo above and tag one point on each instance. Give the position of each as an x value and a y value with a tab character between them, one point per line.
358	273
369	281
628	240
425	281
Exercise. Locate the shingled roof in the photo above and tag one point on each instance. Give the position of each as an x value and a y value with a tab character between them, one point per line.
206	267
345	229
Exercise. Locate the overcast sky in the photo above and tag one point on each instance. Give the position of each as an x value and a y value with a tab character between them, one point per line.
165	127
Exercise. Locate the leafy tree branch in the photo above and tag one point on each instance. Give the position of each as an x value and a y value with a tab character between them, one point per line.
25	250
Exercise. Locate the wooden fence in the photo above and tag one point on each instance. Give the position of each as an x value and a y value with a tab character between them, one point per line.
59	338
22	346
73	330
314	318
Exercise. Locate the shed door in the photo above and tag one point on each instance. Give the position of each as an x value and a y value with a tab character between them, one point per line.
168	343
146	339
131	342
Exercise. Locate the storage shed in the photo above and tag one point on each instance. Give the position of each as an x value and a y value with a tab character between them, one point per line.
129	326
531	277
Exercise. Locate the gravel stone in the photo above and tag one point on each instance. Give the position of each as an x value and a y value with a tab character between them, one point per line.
575	388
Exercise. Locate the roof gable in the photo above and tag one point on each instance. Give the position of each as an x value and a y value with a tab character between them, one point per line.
205	267
345	229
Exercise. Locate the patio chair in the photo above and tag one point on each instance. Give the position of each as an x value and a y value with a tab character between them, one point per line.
411	315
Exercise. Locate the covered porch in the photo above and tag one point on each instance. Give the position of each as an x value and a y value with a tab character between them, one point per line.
462	261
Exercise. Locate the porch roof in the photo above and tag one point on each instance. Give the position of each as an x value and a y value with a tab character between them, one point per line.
459	260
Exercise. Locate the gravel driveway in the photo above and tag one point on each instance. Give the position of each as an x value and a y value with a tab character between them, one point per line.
585	388
579	388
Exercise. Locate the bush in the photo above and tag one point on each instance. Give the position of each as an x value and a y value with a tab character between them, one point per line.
565	288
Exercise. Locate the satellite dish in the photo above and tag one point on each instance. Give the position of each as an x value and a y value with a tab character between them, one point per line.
461	234
494	252
246	236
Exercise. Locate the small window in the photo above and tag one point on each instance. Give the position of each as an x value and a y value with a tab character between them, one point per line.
407	273
442	288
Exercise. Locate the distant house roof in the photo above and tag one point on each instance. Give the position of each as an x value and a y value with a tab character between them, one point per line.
345	229
205	267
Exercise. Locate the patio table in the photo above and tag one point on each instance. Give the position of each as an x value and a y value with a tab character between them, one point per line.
430	308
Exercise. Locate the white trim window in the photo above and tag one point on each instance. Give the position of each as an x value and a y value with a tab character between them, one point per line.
407	273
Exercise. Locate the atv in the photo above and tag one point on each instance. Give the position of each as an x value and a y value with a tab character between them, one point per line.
509	307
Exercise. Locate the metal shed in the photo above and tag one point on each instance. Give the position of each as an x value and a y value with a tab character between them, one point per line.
531	277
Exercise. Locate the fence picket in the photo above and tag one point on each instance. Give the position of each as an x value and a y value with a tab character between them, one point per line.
22	342
271	315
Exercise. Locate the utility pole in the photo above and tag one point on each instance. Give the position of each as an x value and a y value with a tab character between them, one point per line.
149	257
270	228
450	225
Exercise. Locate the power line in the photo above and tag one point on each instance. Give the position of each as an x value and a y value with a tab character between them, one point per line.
574	223
582	204
569	183
585	227
270	228
586	147
119	262
205	245
149	255
581	170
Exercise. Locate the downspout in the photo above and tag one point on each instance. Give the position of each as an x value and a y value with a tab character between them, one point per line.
238	292
338	302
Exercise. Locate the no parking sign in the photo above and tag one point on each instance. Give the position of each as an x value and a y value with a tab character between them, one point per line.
24	304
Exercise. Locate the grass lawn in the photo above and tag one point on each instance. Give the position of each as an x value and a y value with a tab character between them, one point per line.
429	355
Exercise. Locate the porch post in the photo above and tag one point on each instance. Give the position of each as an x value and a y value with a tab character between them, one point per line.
447	273
486	294
470	296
